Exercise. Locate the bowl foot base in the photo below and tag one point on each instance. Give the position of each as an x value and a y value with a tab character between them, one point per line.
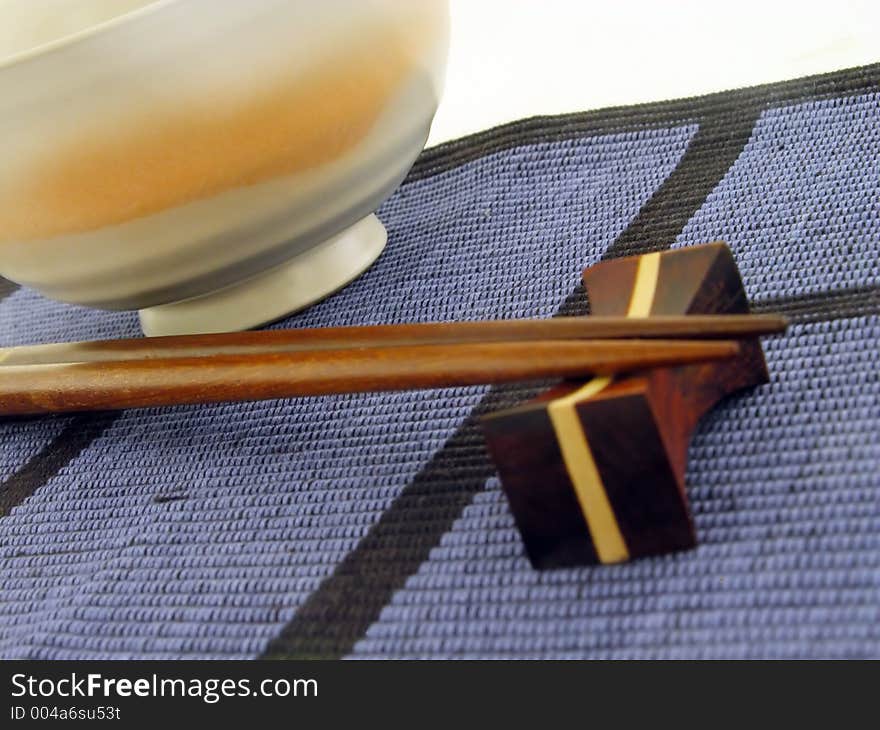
287	288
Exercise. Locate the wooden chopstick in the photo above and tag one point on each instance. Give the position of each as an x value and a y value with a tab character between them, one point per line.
397	335
112	384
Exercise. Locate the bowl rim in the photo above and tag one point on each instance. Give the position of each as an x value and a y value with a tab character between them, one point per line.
70	39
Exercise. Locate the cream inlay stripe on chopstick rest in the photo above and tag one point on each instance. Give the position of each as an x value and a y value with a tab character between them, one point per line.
584	475
645	286
576	453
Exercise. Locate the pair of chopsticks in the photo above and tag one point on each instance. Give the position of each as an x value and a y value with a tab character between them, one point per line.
262	365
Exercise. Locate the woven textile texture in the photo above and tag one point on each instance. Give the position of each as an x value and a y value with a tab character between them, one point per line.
373	526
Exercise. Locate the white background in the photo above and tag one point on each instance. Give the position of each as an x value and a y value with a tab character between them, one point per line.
511	59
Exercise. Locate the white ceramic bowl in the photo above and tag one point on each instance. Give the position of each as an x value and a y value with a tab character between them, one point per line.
211	163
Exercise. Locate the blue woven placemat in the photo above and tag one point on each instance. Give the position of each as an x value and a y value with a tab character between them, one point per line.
373	525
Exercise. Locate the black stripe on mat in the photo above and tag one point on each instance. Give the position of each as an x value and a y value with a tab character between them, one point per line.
6	288
824	306
78	435
339	612
712	151
643	116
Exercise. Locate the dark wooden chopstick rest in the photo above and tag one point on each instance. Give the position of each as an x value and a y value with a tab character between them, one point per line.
594	470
